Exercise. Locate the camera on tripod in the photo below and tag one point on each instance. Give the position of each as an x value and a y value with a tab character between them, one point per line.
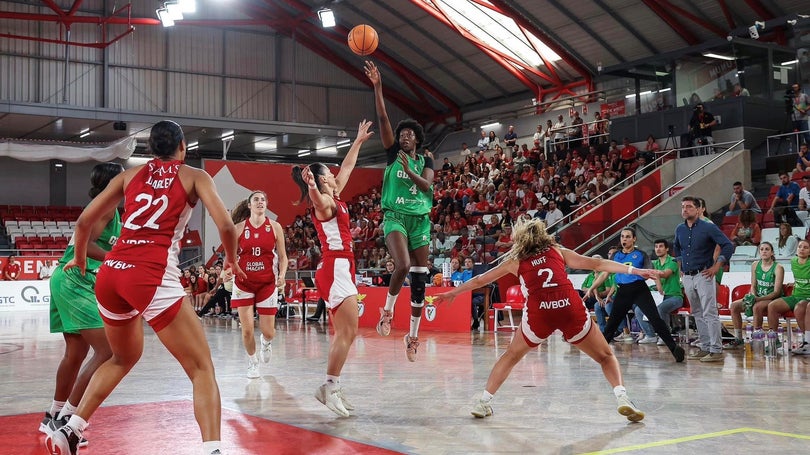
671	129
788	97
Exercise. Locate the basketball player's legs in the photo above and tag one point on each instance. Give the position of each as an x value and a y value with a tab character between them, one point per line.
246	321
516	350
344	319
126	344
185	340
596	347
267	325
97	339
397	243
76	350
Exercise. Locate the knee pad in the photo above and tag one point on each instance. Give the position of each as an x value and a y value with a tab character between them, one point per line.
419	278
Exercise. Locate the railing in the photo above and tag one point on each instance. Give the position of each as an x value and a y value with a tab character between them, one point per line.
781	138
637	212
571	222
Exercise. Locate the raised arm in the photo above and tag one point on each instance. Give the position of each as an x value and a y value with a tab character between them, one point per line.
281	253
481	280
386	132
347	166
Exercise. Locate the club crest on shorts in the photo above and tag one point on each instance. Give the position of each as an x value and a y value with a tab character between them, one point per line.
361	307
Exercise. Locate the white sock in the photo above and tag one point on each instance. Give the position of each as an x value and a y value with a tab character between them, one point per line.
332	379
78	424
738	334
67	410
390	300
415	320
486	397
264	340
619	391
56	406
253	358
210	446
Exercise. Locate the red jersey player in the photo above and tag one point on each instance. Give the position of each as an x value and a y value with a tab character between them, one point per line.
335	276
140	279
263	258
552	304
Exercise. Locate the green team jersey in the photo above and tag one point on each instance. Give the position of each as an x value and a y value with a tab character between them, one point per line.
801	276
399	193
672	285
105	241
766	280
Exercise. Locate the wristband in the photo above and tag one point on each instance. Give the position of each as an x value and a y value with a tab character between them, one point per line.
629	269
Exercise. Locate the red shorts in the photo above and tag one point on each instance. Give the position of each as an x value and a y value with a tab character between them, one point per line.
561	310
126	291
263	295
335	280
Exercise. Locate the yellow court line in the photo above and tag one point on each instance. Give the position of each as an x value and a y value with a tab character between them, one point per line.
696	438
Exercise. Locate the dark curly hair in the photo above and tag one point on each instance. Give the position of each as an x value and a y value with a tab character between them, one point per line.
101	175
412	124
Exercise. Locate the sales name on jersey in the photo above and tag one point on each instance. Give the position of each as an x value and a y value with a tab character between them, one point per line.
413	190
554	304
254	266
156	173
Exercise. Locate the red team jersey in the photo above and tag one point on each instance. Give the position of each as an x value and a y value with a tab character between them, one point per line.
335	275
257	253
334	233
141	275
551	301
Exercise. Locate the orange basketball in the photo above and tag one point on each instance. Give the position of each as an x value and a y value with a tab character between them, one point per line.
363	39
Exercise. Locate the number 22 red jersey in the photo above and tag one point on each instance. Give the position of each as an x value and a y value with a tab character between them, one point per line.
156	211
543	276
257	252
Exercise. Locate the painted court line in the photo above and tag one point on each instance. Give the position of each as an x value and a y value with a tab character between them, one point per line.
697	437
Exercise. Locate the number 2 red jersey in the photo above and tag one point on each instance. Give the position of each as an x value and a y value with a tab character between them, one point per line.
257	253
156	211
543	275
334	233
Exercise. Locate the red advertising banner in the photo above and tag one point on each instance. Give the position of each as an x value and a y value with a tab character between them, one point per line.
615	108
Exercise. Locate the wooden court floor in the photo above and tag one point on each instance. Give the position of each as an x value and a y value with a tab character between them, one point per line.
555	402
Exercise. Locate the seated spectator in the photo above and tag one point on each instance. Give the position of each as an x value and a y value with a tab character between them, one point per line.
803	159
483	142
599	294
786	202
786	243
385	277
441	244
739	90
465	151
804	194
457	274
553	215
795	302
766	285
668	287
746	231
575	132
628	152
741	199
493	140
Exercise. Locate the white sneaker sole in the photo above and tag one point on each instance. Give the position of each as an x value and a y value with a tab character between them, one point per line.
633	415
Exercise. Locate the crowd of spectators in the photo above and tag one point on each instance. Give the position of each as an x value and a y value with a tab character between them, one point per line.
558	172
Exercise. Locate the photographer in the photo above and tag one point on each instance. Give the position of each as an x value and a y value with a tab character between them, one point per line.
700	128
799	102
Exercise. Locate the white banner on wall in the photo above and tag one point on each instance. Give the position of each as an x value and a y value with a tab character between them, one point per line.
25	295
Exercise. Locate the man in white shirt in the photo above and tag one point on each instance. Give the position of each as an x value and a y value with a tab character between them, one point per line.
465	151
553	215
804	194
559	130
483	143
46	271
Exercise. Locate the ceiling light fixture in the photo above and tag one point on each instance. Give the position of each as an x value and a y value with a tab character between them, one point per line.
718	56
165	18
226	135
327	17
188	6
304	153
790	62
193	146
491	125
665	90
174	9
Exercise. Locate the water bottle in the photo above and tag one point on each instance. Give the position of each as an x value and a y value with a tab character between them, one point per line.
749	351
780	337
770	348
749	332
758	344
446	274
797	338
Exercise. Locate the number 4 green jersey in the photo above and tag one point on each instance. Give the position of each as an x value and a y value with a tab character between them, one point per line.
399	193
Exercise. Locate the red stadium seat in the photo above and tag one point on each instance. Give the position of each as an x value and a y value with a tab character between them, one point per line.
514	301
739	292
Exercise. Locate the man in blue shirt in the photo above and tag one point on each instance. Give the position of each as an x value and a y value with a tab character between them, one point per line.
694	245
786	201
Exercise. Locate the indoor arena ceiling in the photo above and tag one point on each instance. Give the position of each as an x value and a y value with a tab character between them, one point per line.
450	58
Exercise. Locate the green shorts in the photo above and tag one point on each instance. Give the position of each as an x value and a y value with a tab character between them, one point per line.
416	228
73	302
792	300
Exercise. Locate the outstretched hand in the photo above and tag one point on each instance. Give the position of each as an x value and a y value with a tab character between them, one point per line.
363	133
445	297
403	160
372	73
308	177
650	273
